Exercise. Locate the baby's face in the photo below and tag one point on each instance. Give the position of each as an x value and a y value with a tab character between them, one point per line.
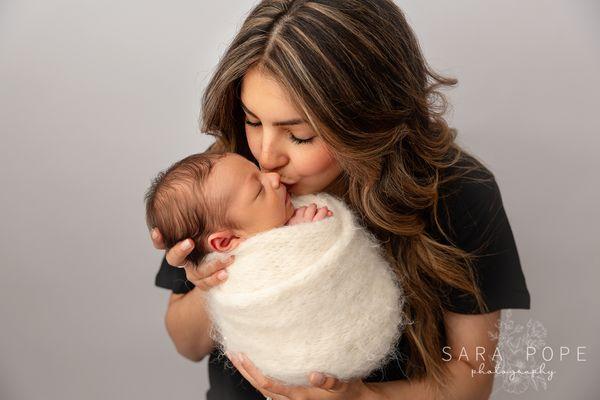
257	200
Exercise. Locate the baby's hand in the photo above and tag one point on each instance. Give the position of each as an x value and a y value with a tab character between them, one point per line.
309	213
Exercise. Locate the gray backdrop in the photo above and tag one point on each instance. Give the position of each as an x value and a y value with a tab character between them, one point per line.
96	97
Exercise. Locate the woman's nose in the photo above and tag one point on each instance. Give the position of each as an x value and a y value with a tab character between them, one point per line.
270	157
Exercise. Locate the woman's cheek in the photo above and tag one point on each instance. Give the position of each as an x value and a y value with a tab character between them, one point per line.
253	143
313	162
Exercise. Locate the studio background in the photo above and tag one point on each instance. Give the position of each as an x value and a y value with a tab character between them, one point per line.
97	97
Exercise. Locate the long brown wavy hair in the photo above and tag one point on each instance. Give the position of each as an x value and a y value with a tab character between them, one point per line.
355	71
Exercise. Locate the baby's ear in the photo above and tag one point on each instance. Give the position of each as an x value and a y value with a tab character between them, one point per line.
223	241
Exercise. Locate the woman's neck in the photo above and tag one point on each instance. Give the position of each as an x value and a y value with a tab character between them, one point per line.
339	187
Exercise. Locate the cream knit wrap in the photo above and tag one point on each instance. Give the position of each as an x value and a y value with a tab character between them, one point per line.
317	296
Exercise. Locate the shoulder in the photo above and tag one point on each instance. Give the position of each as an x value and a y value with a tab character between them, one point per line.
468	182
468	197
472	215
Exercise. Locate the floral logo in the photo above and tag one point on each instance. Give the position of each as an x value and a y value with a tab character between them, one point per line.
519	347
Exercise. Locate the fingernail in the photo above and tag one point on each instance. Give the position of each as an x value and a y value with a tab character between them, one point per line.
318	379
185	245
222	275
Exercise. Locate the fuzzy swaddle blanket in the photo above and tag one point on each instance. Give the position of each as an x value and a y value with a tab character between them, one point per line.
317	296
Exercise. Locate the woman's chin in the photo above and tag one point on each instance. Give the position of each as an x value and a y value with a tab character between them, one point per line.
299	190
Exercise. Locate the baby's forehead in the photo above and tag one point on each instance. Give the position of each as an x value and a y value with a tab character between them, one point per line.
229	173
235	164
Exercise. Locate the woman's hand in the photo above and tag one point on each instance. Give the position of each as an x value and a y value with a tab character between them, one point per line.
203	276
324	387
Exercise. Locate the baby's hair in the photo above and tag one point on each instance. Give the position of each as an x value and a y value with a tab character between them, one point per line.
176	204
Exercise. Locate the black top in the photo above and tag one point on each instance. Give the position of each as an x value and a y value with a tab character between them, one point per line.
472	215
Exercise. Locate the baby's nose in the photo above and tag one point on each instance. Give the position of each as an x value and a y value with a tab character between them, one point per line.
274	178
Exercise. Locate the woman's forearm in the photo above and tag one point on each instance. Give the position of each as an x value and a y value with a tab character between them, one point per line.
188	325
460	386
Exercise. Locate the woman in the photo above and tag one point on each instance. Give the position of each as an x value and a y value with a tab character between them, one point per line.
336	96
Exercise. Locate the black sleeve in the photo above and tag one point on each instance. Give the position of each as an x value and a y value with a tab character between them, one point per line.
173	278
479	224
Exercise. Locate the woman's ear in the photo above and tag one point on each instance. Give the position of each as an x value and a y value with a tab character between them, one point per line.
223	241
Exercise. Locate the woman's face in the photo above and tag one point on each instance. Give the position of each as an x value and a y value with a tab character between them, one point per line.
281	140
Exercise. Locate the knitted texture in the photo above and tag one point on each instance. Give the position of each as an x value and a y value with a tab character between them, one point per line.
317	296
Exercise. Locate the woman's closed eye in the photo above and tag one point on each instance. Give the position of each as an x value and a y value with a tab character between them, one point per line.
298	140
293	138
255	124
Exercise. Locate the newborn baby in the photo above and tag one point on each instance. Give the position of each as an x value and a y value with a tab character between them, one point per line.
300	297
220	200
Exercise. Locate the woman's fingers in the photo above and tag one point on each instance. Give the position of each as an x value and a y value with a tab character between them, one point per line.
208	275
326	382
268	387
216	266
157	240
211	281
177	254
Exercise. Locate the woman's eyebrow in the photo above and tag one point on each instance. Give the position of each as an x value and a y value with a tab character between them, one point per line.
294	121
